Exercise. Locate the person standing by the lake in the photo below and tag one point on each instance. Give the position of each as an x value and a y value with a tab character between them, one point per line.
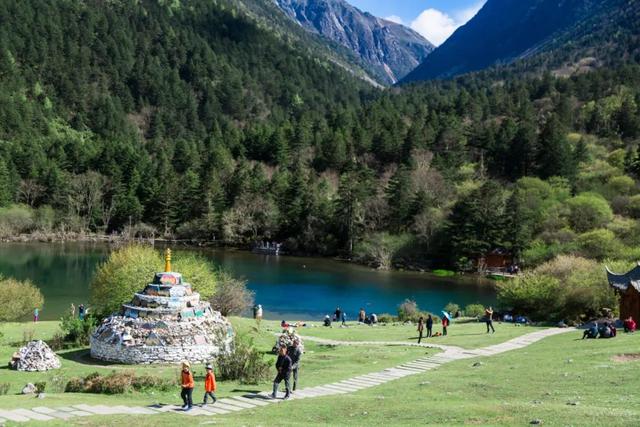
36	315
420	328
344	318
488	313
337	314
283	365
209	385
445	323
81	312
259	313
73	310
362	316
429	326
187	386
295	355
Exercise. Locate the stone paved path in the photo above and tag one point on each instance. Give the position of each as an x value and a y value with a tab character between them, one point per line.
249	401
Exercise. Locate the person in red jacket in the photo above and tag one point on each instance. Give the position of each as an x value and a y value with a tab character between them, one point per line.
629	325
209	385
187	386
445	323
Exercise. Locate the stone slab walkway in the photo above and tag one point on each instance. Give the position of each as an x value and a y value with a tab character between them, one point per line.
257	400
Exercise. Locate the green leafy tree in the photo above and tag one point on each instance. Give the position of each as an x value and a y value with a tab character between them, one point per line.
17	299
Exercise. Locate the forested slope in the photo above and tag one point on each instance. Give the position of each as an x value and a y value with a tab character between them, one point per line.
194	122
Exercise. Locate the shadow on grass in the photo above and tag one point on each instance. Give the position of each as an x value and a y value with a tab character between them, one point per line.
243	390
83	356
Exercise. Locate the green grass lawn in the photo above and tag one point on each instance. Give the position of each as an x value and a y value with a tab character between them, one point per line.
321	364
467	335
561	380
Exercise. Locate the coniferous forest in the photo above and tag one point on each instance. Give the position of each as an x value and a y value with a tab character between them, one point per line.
190	120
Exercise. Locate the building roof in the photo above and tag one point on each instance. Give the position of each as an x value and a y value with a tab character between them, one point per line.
623	281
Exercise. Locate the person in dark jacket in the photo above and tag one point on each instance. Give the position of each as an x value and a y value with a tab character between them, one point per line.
420	328
295	354
337	315
429	326
283	365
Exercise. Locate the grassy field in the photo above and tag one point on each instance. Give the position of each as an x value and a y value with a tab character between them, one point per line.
322	364
466	335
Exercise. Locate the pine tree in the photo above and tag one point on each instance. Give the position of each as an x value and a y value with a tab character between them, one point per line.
5	185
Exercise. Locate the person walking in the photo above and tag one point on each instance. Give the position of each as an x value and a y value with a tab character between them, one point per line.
187	386
283	365
209	385
295	354
445	323
344	318
429	326
488	313
420	328
36	315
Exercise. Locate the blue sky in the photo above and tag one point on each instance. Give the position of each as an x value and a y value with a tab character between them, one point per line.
434	19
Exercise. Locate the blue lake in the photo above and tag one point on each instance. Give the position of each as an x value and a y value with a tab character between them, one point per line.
287	287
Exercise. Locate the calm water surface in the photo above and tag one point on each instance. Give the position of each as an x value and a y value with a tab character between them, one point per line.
287	287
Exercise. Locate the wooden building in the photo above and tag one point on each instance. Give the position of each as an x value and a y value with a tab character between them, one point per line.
627	286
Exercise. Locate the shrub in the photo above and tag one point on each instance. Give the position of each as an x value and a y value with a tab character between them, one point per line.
599	244
16	219
474	310
232	295
407	310
386	318
633	206
4	388
244	363
18	298
76	332
40	386
589	211
567	288
117	383
451	308
122	274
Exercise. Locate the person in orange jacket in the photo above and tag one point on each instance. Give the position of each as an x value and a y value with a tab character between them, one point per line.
209	385
187	386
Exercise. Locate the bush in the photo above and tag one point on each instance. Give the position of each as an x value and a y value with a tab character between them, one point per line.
245	363
18	298
599	244
386	318
408	310
16	219
474	310
75	332
567	288
589	211
451	308
40	386
117	383
127	270
232	295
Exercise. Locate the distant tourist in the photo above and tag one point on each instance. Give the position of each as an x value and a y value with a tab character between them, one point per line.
209	385
629	325
374	318
81	312
72	309
187	386
255	311
429	326
420	328
362	316
344	318
591	332
284	324
259	313
283	365
445	323
36	315
295	354
337	315
327	320
488	315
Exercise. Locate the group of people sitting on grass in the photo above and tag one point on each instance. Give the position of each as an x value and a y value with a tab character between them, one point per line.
341	316
608	329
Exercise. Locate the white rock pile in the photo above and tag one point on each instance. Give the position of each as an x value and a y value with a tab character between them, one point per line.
35	356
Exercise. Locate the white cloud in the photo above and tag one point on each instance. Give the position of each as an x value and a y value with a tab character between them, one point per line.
436	26
394	18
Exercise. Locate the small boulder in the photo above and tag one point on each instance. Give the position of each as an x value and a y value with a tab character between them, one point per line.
29	389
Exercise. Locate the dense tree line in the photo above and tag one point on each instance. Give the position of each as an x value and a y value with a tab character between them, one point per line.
194	122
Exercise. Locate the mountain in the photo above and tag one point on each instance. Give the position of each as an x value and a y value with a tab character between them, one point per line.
505	31
391	50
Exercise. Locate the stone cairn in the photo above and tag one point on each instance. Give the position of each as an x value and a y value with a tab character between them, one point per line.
164	323
35	356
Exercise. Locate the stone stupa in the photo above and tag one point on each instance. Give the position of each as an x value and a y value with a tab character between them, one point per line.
164	323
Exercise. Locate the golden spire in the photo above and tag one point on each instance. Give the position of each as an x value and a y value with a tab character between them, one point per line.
167	260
